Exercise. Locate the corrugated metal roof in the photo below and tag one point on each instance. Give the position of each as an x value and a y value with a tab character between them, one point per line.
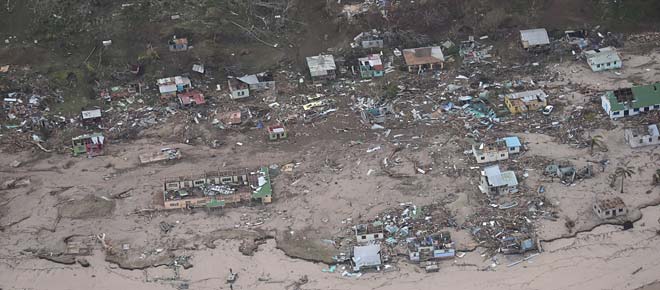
91	114
537	36
601	56
512	141
319	65
528	96
497	178
366	255
249	79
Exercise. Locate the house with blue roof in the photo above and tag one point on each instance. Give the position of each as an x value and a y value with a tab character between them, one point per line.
496	151
513	144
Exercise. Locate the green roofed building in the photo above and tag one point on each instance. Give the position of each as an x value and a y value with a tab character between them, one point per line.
264	191
631	101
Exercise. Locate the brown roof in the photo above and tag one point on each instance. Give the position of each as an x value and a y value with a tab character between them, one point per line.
610	203
423	55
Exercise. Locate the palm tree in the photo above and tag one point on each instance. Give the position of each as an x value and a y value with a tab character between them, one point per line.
596	141
624	172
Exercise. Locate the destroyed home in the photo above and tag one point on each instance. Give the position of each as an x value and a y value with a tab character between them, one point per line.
496	151
368	39
217	189
91	117
603	59
190	98
169	87
495	182
517	243
240	87
322	67
178	44
119	92
568	173
365	257
534	38
162	155
423	58
631	101
526	101
610	208
490	152
368	233
277	132
90	144
371	66
431	247
642	136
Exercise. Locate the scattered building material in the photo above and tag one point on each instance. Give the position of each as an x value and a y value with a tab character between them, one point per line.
526	101
217	189
162	155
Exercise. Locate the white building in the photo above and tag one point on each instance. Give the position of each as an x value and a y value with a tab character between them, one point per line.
490	152
603	59
495	182
610	208
642	136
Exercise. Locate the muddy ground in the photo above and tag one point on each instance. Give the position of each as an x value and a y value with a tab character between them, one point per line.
336	182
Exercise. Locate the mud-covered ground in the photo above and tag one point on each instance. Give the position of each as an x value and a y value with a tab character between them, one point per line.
52	203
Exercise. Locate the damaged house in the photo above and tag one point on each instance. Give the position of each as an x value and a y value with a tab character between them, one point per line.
322	67
178	44
603	59
191	98
169	87
631	101
610	208
490	152
241	87
495	182
532	39
642	136
90	144
432	247
217	189
368	256
367	233
277	132
496	151
91	117
566	172
526	101
422	58
371	66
